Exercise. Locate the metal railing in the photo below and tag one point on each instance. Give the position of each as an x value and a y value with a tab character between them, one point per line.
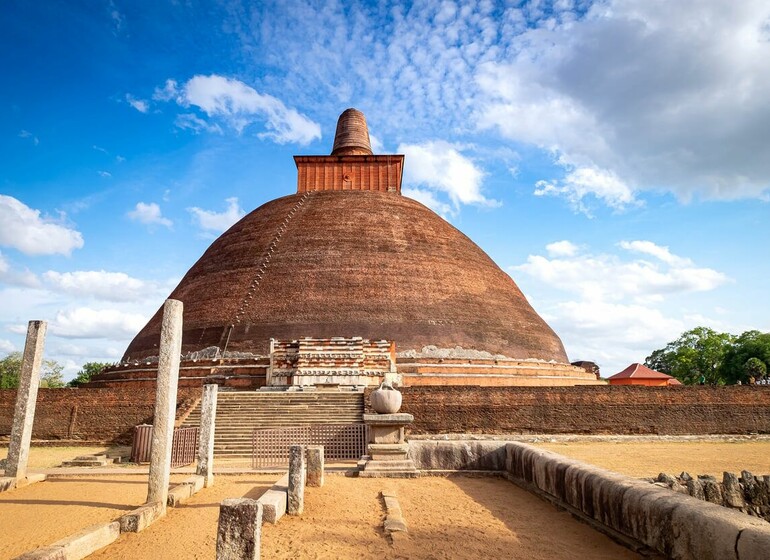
184	446
270	448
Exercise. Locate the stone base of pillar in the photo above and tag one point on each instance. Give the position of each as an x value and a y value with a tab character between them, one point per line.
388	451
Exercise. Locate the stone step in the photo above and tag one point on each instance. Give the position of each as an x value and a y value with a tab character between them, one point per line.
240	413
87	461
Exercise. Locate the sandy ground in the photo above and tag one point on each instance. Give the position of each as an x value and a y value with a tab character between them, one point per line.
188	531
647	459
448	518
456	517
42	513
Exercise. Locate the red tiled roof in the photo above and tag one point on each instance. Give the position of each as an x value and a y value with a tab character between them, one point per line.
639	371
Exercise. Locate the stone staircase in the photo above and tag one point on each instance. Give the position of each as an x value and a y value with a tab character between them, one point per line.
238	413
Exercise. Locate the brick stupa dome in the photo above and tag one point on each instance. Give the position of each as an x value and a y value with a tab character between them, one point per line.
349	256
357	263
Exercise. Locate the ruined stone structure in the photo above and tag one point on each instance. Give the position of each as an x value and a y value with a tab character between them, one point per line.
349	256
336	361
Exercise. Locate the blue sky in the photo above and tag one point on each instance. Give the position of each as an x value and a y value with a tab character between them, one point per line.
613	156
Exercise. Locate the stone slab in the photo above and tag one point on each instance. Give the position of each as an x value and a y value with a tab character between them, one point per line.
77	546
398	419
394	517
297	474
9	483
142	517
315	466
753	543
185	489
389	469
388	451
239	530
274	501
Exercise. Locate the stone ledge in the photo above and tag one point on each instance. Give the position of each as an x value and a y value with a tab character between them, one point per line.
9	482
142	517
672	524
185	489
274	501
77	546
389	419
394	518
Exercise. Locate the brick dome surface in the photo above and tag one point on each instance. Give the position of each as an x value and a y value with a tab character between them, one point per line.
351	263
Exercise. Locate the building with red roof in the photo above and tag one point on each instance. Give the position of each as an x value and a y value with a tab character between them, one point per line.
638	374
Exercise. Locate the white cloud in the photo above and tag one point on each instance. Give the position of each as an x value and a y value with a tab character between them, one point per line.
439	166
12	277
149	214
628	95
611	308
27	134
583	182
6	346
657	95
105	174
140	105
99	284
22	228
218	221
240	105
192	122
429	199
169	91
85	322
657	251
607	277
377	146
562	249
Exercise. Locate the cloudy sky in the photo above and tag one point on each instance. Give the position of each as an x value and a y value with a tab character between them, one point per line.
612	156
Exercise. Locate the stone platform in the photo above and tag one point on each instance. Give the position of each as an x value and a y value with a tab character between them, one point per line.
388	451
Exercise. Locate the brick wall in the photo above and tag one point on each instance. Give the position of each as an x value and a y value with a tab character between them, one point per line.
110	414
588	409
89	414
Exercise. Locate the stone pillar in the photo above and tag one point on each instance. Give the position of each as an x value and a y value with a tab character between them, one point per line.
297	472
205	466
239	529
315	465
26	399
165	401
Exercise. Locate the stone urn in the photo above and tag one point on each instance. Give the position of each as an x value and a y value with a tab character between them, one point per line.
385	399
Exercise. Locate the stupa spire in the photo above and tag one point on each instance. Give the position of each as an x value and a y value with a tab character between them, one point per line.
352	136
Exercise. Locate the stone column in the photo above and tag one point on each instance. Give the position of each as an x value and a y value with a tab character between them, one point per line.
315	465
239	529
205	466
26	399
297	472
165	401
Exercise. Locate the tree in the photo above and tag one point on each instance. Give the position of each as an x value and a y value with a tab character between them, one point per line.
697	353
751	344
756	368
85	374
10	370
51	376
